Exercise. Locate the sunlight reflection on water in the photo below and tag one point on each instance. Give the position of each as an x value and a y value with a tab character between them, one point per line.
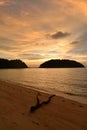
66	81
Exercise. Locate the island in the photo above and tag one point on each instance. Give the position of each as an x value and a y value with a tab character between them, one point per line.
5	63
57	63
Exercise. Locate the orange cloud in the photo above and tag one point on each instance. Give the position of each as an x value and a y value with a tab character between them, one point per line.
26	25
5	2
2	3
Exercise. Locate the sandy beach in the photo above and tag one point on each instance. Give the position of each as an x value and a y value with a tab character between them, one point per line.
58	114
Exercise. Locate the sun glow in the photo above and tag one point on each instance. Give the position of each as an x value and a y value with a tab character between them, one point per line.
36	31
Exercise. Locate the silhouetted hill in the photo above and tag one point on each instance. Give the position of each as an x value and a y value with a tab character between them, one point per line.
61	64
5	63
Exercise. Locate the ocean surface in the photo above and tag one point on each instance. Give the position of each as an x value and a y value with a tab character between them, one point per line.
67	82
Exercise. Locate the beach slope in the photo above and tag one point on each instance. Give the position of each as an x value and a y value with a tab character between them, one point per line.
58	114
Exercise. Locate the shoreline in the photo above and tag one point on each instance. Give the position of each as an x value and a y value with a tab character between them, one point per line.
60	114
70	96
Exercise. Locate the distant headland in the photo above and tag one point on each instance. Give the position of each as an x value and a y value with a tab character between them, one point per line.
5	63
57	63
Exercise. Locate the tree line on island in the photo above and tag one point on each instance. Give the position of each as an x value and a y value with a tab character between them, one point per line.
5	63
55	63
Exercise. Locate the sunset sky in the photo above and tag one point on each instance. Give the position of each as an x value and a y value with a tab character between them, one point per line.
38	30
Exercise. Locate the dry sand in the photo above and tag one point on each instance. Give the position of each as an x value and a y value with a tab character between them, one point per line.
59	114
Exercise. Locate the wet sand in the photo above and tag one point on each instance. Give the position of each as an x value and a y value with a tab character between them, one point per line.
59	114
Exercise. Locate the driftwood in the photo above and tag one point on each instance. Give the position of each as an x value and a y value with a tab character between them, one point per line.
38	104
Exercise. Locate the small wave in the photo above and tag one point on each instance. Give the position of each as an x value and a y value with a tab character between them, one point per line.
73	94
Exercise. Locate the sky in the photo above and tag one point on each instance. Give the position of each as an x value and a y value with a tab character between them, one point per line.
39	30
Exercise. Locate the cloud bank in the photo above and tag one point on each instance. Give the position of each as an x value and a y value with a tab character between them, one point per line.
37	30
59	34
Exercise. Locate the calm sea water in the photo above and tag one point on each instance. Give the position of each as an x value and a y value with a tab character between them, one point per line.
70	83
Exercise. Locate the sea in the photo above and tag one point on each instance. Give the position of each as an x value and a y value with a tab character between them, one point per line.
69	83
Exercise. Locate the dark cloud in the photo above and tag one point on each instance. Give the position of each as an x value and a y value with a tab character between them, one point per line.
6	47
5	40
74	42
59	35
79	48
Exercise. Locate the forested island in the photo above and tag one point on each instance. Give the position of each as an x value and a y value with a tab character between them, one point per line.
5	63
57	63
